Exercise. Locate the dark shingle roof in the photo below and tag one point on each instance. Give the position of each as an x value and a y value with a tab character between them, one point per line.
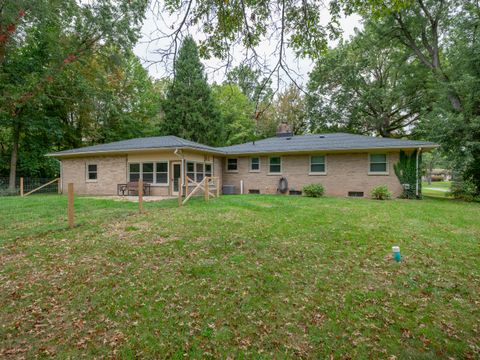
156	142
319	142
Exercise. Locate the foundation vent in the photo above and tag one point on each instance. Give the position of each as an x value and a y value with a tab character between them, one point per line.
355	194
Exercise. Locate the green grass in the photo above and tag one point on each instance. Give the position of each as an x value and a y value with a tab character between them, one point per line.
432	189
240	276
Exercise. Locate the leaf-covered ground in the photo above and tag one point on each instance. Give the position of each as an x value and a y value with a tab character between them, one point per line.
240	276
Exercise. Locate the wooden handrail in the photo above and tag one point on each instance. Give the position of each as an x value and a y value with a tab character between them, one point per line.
38	188
205	186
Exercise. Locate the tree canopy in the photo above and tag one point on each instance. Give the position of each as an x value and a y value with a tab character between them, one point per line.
39	41
369	85
190	111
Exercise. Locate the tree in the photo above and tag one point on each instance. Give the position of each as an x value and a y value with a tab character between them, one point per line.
290	107
432	160
368	85
190	111
107	97
236	112
259	91
257	88
39	39
444	36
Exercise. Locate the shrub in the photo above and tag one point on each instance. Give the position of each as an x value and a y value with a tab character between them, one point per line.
313	190
406	171
381	192
464	190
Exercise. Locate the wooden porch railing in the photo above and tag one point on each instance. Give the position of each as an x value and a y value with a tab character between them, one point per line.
210	185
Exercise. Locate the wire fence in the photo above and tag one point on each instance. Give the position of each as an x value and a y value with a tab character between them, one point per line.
29	184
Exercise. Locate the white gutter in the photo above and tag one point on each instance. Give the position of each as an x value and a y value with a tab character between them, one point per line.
127	151
342	150
418	155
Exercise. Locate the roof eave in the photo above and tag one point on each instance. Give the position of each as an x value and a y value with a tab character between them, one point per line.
127	151
424	146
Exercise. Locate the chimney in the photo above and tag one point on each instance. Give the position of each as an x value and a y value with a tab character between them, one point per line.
284	130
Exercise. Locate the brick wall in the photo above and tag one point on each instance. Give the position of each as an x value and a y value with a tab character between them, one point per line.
113	170
110	172
345	172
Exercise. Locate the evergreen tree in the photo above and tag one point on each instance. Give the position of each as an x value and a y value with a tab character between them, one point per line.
190	110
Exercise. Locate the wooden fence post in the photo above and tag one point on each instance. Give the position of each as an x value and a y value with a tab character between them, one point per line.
180	189
59	188
70	205
140	196
21	186
218	186
207	188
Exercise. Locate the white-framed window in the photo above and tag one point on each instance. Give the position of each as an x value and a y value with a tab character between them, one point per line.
232	165
196	171
378	164
150	172
318	165
147	172
254	164
91	172
134	172
161	172
275	165
191	170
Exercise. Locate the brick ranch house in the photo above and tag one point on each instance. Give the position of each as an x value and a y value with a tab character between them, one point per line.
345	164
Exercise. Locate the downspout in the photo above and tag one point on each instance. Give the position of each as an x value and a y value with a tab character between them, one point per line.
416	185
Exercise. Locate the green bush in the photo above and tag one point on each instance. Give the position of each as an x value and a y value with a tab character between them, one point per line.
464	190
406	171
381	192
313	190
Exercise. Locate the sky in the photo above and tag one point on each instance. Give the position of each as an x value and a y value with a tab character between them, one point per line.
145	49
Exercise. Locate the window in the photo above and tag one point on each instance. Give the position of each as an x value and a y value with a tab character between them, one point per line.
161	173
147	172
134	172
91	172
254	164
378	164
232	165
191	170
275	165
200	174
196	171
208	169
150	172
317	164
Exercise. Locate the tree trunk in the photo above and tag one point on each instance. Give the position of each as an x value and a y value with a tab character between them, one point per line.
14	157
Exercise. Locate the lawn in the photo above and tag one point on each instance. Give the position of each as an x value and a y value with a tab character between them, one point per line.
436	188
241	277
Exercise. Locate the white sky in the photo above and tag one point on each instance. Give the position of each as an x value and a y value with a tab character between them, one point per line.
145	49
